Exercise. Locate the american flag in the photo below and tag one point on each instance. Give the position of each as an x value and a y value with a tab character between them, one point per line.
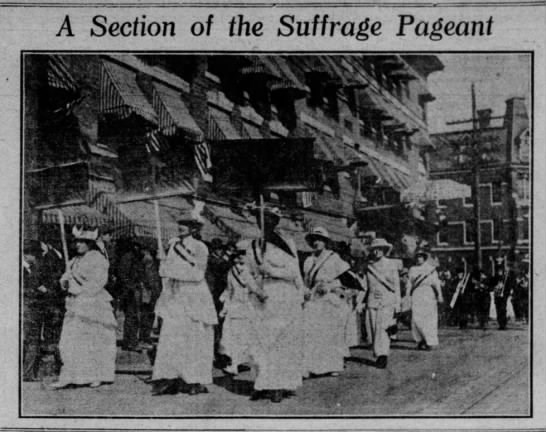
153	141
202	159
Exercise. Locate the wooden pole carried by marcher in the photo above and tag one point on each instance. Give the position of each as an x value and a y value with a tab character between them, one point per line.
63	237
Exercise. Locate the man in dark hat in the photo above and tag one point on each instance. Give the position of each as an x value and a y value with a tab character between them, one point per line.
502	284
481	296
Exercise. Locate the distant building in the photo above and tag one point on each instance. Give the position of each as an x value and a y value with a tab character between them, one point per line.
107	134
505	190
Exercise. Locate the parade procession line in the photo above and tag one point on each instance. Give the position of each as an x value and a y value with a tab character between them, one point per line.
471	373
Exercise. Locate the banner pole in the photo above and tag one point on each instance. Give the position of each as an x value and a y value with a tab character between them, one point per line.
63	237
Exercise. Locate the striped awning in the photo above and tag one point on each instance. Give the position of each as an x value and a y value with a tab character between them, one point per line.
58	75
221	127
382	174
372	102
258	65
346	78
392	62
121	95
251	131
173	114
422	139
315	65
142	215
403	74
74	215
433	190
332	149
276	70
287	78
232	224
83	214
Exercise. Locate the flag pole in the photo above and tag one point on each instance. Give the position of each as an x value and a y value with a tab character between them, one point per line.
262	218
63	237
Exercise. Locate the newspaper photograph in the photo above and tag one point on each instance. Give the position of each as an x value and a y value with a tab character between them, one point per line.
272	217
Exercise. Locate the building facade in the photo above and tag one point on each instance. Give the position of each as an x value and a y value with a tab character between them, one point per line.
504	145
106	136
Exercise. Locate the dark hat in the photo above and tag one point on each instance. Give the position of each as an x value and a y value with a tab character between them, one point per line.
421	252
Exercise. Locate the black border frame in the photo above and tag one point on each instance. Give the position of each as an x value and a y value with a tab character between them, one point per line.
274	52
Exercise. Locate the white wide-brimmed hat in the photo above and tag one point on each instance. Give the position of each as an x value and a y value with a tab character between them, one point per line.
81	233
317	233
381	243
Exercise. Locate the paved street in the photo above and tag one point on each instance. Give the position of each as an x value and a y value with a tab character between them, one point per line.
472	373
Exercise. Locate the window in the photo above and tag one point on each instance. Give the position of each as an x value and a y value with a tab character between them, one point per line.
468	202
469	232
498	229
486	232
496	192
523	187
524	147
523	230
443	236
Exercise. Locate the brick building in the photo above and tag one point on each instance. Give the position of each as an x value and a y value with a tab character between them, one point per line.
106	136
505	143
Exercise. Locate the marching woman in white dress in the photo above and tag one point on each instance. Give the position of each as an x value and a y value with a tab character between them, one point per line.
239	299
88	338
326	311
277	342
186	342
424	287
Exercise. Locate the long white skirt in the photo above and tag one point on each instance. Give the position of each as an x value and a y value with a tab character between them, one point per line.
276	346
424	316
185	350
236	339
88	351
324	343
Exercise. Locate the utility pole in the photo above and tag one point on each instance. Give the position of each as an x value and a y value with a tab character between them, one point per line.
476	156
476	182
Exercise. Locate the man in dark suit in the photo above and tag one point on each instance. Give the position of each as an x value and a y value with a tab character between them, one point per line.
502	283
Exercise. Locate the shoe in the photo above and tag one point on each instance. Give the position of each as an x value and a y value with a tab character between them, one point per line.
164	387
256	395
276	396
59	385
182	386
381	362
95	384
423	346
334	374
196	389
